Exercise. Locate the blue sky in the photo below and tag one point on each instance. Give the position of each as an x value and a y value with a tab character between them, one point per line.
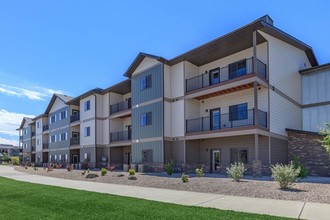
73	46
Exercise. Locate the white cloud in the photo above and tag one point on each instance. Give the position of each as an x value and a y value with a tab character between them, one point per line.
8	141
10	121
36	93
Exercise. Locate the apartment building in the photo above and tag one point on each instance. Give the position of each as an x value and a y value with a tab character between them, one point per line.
228	100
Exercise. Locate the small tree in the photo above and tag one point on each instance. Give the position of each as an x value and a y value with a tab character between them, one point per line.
4	156
326	140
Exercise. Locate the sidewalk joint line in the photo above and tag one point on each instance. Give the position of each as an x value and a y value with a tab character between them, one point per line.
211	200
302	208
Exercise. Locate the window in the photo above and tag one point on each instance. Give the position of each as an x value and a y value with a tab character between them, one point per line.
238	112
214	76
52	139
52	119
147	156
64	136
25	145
87	105
25	131
87	157
38	124
87	131
146	119
238	155
145	82
237	69
38	141
63	115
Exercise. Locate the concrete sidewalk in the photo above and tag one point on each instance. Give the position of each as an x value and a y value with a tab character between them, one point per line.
285	208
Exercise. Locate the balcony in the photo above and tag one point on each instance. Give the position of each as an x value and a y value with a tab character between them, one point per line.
33	148
121	106
74	141
45	128
20	138
33	134
75	117
121	136
45	146
226	121
225	74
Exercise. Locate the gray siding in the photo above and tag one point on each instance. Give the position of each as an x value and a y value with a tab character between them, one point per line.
59	152
153	130
156	90
58	143
28	149
28	134
91	151
60	123
157	151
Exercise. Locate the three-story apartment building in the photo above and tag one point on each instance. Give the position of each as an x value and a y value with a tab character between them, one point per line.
229	100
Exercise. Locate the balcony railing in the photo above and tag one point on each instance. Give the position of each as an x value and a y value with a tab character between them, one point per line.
121	136
75	117
45	146
21	138
45	128
33	148
121	106
225	121
225	74
74	141
33	134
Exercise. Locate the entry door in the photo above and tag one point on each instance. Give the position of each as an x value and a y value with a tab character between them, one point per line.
216	160
215	119
214	76
75	134
75	158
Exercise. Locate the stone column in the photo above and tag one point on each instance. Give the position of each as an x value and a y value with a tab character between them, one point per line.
257	168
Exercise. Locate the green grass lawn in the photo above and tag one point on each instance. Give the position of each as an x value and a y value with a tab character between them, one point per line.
19	200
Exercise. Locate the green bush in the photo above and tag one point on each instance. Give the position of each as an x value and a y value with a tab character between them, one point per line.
199	171
297	164
285	175
236	171
169	168
131	172
15	160
184	178
103	171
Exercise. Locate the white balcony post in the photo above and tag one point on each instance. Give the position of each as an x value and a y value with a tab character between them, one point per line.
254	59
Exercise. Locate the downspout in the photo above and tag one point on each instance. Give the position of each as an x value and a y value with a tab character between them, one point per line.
95	139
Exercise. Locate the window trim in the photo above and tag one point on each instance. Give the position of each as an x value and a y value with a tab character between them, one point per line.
145	82
87	105
235	116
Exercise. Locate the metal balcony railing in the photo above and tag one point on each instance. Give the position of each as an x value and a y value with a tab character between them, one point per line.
33	148
226	74
33	134
74	141
75	117
225	121
121	106
45	146
121	136
45	127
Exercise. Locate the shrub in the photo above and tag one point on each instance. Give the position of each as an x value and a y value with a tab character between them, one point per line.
15	160
236	171
285	175
131	172
69	168
200	171
169	168
103	171
88	170
184	178
297	164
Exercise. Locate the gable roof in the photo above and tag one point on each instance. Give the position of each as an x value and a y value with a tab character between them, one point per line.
75	101
314	69
25	119
122	87
138	60
63	98
233	42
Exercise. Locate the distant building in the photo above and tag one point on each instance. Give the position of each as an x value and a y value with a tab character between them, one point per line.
10	150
